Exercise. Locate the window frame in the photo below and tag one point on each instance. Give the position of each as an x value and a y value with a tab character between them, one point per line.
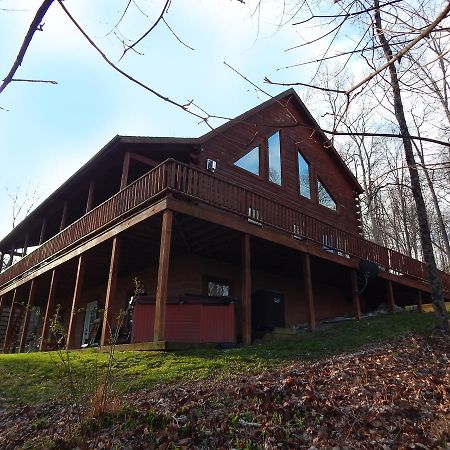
319	180
218	280
280	184
310	176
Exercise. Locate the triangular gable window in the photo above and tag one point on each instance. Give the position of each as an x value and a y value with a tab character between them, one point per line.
325	198
250	161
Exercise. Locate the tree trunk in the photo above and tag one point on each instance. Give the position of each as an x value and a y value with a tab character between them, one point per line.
437	297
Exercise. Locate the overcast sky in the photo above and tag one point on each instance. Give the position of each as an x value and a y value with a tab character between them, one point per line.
49	131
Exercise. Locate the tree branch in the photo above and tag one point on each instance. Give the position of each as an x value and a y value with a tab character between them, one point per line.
26	42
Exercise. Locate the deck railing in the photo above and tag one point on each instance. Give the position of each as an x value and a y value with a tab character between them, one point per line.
190	182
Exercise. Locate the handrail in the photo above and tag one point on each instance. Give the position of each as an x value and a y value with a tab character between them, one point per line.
137	192
211	189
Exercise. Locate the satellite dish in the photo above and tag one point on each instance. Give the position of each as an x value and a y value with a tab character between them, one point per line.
367	270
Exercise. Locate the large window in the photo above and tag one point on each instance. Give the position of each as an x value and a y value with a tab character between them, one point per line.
325	198
274	158
250	161
304	176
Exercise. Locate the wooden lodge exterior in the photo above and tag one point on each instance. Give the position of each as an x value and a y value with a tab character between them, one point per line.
262	207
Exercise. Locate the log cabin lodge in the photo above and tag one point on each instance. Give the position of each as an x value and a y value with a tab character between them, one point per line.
255	224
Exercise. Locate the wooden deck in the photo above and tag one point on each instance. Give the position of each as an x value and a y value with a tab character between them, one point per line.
193	185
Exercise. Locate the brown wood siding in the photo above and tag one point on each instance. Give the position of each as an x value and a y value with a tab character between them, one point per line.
226	148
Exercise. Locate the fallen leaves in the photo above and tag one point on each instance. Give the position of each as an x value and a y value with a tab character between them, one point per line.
387	396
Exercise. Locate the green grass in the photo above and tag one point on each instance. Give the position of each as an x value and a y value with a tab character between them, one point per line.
39	377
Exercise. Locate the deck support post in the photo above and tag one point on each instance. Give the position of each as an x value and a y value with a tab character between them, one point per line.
110	291
355	294
391	299
163	276
2	258
125	169
48	312
419	300
2	307
62	224
309	291
75	301
90	198
26	320
246	291
10	321
43	228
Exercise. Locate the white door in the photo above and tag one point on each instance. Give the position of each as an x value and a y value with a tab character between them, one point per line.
90	316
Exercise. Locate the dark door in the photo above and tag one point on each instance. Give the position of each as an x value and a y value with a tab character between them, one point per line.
267	310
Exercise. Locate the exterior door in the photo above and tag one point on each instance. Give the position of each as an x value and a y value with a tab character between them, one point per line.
90	316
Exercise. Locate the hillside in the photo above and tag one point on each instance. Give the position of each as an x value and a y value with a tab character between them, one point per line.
386	394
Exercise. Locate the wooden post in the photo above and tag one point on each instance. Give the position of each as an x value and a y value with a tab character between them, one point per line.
2	258
90	199
42	235
10	321
11	257
419	300
26	320
355	294
48	312
391	301
110	290
246	291
2	305
25	245
163	276
75	301
309	291
125	169
63	222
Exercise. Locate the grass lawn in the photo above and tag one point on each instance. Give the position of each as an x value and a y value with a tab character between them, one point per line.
39	377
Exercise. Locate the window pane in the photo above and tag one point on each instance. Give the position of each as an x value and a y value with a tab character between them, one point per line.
303	176
274	158
324	197
250	161
217	289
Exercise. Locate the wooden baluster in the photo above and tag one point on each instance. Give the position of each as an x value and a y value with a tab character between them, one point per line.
48	312
163	276
75	301
307	280
26	320
246	295
110	291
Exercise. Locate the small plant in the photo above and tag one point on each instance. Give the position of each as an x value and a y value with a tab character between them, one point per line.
138	287
277	418
39	423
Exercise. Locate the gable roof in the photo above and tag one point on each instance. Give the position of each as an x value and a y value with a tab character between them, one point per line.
315	128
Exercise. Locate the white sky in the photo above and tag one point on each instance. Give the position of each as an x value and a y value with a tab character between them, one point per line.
51	130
